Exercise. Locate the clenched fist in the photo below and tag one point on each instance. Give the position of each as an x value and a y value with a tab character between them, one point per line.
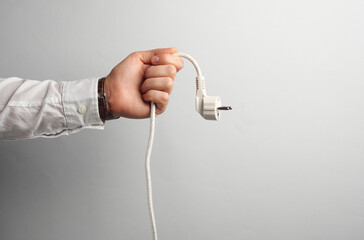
140	78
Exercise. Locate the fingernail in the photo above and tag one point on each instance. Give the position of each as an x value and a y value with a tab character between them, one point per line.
155	60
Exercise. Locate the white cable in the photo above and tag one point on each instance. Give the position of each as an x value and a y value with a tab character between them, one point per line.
193	61
200	92
150	146
147	170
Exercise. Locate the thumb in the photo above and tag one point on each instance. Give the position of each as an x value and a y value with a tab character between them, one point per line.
146	56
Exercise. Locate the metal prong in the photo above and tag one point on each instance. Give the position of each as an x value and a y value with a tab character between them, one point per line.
225	108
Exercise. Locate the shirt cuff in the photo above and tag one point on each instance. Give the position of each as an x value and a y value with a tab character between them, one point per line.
80	105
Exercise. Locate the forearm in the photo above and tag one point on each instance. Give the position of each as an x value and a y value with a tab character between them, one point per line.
30	109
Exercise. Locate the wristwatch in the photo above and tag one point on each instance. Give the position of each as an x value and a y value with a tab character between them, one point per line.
104	110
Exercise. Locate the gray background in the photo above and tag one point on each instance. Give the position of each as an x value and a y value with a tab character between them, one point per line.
286	163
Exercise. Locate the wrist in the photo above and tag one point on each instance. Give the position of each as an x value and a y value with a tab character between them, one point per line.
103	94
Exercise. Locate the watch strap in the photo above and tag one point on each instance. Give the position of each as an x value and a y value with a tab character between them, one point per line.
104	110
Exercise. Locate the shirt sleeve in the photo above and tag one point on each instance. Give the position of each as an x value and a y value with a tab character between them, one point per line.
30	109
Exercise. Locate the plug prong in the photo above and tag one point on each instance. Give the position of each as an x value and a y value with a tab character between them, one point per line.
225	108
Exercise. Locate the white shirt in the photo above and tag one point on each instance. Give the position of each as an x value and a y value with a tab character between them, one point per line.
30	109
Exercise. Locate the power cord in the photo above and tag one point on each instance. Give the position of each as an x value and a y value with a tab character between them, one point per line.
207	106
147	169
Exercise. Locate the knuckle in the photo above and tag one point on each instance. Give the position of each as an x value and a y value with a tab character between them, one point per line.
165	98
171	70
134	54
169	83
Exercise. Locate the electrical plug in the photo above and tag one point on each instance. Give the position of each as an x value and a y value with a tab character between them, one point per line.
208	107
212	107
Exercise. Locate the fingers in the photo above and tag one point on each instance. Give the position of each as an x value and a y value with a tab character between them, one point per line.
161	71
168	59
160	98
160	66
158	85
161	84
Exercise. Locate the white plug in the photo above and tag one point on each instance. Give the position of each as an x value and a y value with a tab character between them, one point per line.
207	106
210	107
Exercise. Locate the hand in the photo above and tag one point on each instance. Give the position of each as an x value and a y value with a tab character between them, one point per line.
140	78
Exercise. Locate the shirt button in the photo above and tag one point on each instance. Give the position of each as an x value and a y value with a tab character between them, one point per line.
82	110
